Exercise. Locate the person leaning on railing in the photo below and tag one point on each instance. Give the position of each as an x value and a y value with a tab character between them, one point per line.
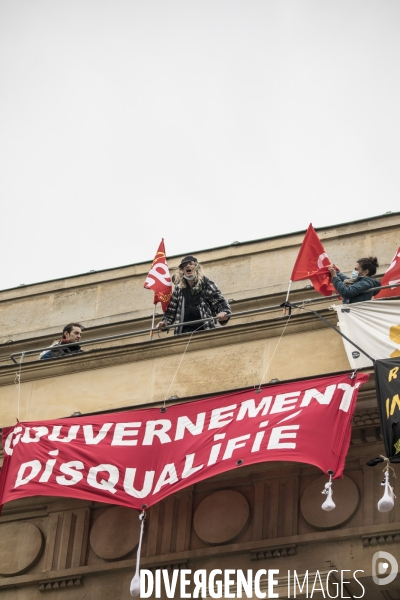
356	288
71	335
195	297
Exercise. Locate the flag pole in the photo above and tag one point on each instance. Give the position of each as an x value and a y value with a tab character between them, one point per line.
152	322
287	297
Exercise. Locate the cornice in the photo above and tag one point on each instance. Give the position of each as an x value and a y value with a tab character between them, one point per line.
137	321
206	256
147	350
129	323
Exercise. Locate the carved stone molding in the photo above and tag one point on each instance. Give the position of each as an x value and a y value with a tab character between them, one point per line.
367	435
379	539
59	584
277	552
68	530
366	427
366	417
221	517
345	495
170	566
115	534
21	545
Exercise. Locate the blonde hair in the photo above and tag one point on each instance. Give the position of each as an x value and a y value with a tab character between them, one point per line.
181	282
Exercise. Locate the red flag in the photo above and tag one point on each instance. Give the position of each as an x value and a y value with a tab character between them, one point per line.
391	277
312	262
159	279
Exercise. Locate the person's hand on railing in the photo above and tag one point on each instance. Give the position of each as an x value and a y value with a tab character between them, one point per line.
222	316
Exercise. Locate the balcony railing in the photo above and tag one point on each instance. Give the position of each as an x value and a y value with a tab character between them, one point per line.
150	330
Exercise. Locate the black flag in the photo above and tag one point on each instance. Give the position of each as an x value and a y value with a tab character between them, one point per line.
387	375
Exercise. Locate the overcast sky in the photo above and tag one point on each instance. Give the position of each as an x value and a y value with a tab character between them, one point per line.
200	121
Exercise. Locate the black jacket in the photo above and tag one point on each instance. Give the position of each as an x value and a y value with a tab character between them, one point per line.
357	291
211	302
61	351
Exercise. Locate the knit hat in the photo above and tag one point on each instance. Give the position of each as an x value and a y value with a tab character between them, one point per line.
186	260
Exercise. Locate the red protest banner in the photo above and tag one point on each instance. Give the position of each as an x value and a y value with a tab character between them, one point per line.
138	457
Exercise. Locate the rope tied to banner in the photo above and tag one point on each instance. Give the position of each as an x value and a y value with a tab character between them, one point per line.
135	583
314	312
387	466
386	503
17	381
164	408
258	388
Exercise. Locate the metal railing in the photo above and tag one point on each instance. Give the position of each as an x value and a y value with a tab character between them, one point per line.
139	332
151	330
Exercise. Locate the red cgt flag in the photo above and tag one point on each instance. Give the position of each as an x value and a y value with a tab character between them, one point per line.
391	277
159	279
312	262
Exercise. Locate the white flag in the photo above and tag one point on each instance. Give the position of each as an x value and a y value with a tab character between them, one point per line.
373	326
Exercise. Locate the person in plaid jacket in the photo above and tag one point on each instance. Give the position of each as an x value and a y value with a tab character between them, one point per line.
195	297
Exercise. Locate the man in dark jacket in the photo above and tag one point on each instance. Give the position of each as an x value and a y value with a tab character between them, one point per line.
357	288
71	335
195	297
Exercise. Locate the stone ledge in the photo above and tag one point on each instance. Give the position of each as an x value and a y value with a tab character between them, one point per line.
116	355
367	435
166	560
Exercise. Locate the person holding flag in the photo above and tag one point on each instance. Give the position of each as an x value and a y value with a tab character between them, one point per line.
313	263
358	288
195	298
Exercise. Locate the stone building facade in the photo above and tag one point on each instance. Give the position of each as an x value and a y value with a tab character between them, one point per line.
265	516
